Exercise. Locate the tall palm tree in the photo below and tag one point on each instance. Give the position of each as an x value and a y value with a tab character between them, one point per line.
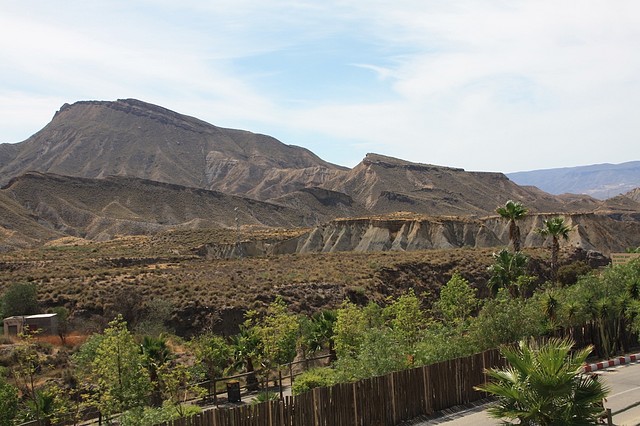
512	211
556	228
544	385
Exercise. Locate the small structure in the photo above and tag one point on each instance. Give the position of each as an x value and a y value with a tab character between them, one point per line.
623	258
44	324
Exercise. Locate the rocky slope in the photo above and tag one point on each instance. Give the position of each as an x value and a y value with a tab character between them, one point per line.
133	138
590	232
128	167
406	232
634	194
385	185
103	208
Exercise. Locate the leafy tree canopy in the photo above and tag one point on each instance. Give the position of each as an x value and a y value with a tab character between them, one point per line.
118	371
19	299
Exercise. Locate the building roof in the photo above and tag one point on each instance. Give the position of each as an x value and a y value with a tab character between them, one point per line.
40	316
36	316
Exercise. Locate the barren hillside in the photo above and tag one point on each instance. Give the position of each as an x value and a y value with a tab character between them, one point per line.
133	138
101	169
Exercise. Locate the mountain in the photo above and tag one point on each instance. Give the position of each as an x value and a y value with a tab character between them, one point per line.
101	169
19	227
634	194
131	138
599	181
96	139
386	185
46	205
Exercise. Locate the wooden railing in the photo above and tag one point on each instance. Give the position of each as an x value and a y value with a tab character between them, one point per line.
386	400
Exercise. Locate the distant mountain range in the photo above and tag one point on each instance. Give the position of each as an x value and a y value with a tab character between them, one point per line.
600	181
101	169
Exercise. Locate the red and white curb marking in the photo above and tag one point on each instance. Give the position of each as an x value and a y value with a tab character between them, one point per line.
610	363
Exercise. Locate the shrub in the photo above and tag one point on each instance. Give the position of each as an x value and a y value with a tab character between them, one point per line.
314	378
149	416
266	396
569	274
19	299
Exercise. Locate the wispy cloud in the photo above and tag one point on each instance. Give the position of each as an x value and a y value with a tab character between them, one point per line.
456	83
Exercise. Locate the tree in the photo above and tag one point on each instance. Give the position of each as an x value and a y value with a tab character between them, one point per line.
29	363
543	385
8	401
406	320
156	354
63	322
505	319
118	371
457	300
19	299
177	382
154	318
556	229
506	271
278	331
351	324
213	351
513	211
246	348
318	332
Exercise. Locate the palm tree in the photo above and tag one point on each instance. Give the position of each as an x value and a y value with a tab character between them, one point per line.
506	270
320	333
246	347
556	228
156	354
544	385
513	211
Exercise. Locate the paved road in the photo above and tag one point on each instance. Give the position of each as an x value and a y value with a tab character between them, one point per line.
624	401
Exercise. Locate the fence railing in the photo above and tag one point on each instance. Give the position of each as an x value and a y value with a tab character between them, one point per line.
280	376
386	400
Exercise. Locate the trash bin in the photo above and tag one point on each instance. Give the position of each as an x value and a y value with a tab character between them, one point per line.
233	391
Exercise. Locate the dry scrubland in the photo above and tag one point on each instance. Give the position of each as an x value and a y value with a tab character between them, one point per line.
96	280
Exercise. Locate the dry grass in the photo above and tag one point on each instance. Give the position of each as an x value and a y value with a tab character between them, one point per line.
89	278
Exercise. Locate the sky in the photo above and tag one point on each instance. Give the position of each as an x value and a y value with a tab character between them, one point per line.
486	85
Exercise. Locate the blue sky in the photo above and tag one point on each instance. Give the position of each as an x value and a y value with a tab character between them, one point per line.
490	85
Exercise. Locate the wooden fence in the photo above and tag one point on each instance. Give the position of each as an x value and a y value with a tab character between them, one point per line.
379	401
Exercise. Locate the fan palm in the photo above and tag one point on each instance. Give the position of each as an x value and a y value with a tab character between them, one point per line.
156	354
246	347
506	270
544	385
320	333
513	211
556	229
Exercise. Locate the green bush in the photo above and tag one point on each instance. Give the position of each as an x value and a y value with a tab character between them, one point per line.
149	416
314	378
266	396
569	274
8	402
19	299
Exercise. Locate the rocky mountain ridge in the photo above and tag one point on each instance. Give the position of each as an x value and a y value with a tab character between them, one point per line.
128	137
101	169
600	181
